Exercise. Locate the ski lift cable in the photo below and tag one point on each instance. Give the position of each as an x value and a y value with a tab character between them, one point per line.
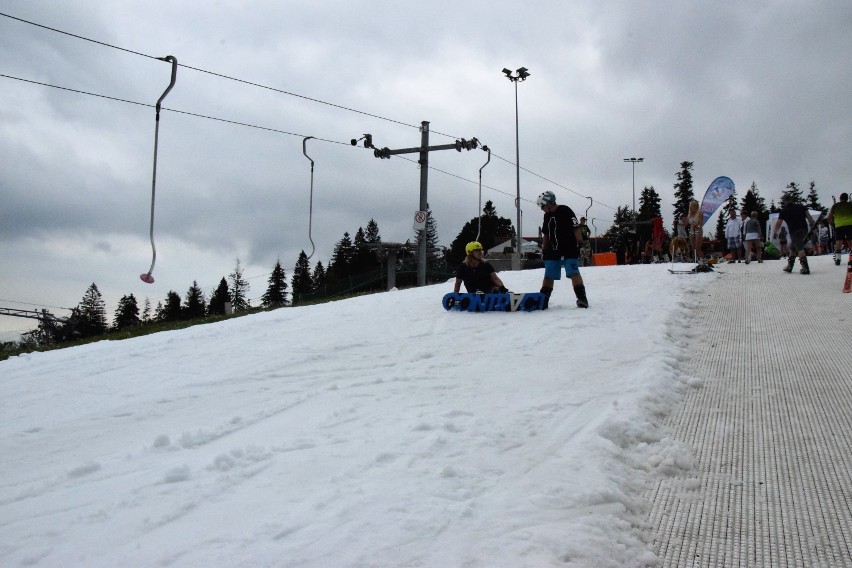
311	199
148	278
479	209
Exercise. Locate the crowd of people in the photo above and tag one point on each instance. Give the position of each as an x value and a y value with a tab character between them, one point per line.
565	243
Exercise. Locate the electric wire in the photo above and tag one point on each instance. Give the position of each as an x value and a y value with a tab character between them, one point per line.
258	85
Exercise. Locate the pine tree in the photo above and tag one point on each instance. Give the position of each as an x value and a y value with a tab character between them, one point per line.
218	299
91	313
796	193
301	283
340	266
196	306
146	312
171	310
812	201
318	279
492	231
752	201
434	254
649	207
276	290
683	192
619	233
127	313
372	235
239	288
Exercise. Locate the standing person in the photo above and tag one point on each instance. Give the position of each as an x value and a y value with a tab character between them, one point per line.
841	215
678	247
477	274
560	236
743	219
657	237
753	238
695	220
799	222
733	226
586	246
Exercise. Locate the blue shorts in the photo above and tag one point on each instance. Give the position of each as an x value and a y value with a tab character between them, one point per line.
553	268
734	242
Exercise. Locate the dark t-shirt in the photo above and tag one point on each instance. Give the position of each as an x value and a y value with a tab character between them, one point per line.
796	217
476	278
558	227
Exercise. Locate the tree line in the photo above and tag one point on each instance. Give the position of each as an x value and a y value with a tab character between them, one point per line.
356	265
622	238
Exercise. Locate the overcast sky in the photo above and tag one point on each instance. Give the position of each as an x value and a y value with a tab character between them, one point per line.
757	91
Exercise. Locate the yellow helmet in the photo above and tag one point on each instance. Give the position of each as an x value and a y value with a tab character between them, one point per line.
472	246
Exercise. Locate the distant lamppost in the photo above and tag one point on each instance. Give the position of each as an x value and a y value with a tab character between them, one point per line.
522	75
634	161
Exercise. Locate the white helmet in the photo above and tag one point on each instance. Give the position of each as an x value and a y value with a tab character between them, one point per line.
546	198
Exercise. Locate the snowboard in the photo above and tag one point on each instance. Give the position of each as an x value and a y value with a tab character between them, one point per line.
847	284
494	302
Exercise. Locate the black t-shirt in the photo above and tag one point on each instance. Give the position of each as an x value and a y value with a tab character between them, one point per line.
558	227
796	217
476	277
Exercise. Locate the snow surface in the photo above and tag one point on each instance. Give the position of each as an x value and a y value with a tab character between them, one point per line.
379	431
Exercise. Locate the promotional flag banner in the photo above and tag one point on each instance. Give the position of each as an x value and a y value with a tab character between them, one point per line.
718	192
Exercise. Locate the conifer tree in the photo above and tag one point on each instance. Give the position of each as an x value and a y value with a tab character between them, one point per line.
434	254
276	290
812	200
339	268
171	310
301	284
218	299
196	305
127	313
619	234
492	231
649	207
239	288
796	193
318	279
91	313
683	192
146	312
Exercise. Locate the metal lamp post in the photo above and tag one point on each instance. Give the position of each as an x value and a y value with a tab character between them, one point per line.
522	74
634	161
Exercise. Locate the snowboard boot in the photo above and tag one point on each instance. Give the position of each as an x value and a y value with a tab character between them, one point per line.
790	262
582	301
804	262
547	292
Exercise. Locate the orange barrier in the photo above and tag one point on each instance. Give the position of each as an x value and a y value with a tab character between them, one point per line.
604	259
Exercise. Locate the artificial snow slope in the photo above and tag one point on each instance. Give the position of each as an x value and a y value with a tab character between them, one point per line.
379	431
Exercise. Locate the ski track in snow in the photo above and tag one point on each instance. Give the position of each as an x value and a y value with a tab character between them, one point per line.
377	431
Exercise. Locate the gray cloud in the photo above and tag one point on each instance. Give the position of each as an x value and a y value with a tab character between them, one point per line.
755	91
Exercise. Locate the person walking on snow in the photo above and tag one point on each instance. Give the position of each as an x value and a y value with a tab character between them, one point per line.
560	239
799	222
477	274
733	227
753	240
841	216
